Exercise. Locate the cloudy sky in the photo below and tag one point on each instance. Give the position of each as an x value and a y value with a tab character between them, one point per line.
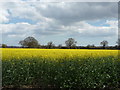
87	23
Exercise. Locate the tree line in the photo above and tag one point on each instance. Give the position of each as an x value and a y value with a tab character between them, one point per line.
31	42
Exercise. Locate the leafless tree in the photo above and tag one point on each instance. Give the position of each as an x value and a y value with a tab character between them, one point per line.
70	43
104	43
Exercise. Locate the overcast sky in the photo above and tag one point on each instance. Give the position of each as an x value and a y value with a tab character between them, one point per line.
87	23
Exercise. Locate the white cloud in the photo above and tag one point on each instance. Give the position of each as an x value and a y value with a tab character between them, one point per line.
16	29
3	14
57	19
64	13
86	30
50	28
112	23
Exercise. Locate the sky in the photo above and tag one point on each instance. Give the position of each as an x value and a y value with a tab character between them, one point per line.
86	22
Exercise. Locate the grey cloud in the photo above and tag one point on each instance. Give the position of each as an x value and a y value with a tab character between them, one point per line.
63	13
74	12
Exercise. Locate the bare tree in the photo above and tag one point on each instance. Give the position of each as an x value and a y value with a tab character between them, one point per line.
50	45
29	42
104	43
70	43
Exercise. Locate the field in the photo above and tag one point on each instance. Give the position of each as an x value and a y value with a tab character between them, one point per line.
60	68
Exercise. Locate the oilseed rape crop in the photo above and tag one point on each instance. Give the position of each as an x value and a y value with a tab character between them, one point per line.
60	68
56	53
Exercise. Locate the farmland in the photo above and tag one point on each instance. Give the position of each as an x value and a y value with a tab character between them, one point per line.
62	68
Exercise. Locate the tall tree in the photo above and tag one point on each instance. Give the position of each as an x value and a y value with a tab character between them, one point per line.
29	42
70	43
50	45
104	43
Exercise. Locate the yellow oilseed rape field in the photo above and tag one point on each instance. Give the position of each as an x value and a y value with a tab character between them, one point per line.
56	53
60	68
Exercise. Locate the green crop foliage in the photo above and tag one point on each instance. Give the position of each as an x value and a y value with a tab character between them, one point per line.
64	72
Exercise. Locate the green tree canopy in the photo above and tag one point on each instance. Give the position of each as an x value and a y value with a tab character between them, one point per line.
4	45
29	42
